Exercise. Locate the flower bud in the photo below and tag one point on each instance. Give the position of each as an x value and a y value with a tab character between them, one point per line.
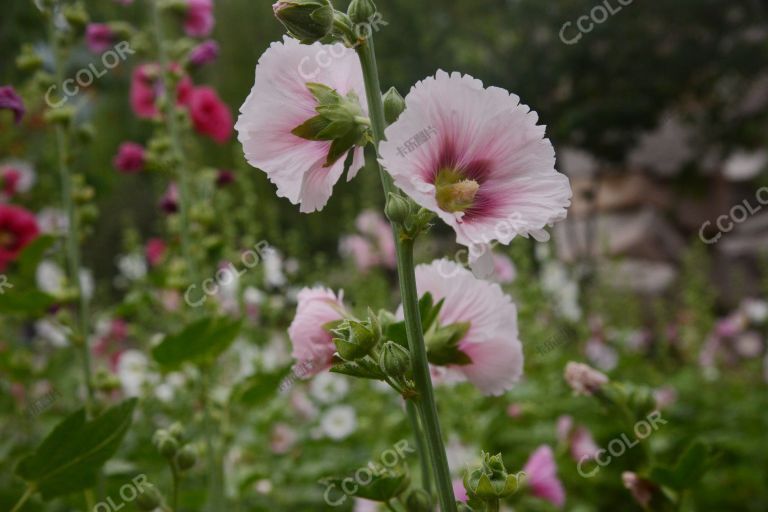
394	360
76	15
394	104
491	481
361	11
62	116
356	339
186	458
583	379
149	497
165	443
419	501
306	20
397	208
28	59
177	431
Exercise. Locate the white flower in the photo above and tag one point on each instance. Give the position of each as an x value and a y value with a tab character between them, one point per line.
52	280
253	296
328	387
132	266
273	268
132	371
565	291
339	422
742	166
53	332
754	309
52	221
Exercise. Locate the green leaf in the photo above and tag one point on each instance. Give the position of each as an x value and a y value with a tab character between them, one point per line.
323	94
443	344
361	369
261	387
201	341
69	458
429	310
688	470
24	301
312	128
31	256
384	486
397	333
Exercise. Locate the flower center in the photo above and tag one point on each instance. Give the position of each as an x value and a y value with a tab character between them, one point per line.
454	193
7	240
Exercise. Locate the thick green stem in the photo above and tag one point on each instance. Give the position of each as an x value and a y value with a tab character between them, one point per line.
176	483
215	477
176	146
73	231
404	249
421	449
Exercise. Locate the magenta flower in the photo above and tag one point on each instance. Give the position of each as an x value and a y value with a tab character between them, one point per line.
146	87
491	343
224	178
280	101
129	158
155	250
199	20
541	471
18	227
99	37
477	158
210	115
169	203
205	52
313	346
10	100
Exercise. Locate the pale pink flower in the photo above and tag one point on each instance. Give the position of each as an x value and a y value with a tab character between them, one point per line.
360	250
283	439
491	342
642	490
373	225
541	472
279	102
583	445
477	158
504	269
312	342
564	427
584	379
459	491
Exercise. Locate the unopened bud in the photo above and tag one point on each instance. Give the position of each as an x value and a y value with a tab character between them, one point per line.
394	360
361	11
394	104
419	501
397	208
186	458
149	497
306	20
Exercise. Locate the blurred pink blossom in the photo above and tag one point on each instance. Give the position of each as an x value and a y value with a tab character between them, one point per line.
541	472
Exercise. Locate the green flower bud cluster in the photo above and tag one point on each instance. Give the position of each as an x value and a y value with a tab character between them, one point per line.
171	444
490	482
410	218
340	119
308	21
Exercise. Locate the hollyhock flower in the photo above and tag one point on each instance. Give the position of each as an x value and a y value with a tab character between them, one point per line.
328	388
210	115
132	266
339	422
563	428
583	379
491	342
146	86
130	158
541	471
755	310
374	226
199	19
360	250
51	279
224	178
459	491
283	438
155	250
664	397
477	158
504	269
272	263
52	221
10	100
583	446
18	227
642	490
132	371
99	37
279	102
15	177
169	203
205	52
311	342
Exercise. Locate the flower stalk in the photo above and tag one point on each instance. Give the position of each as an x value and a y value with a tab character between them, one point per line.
425	400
